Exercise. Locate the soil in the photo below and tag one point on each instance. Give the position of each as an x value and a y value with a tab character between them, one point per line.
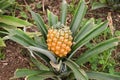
102	13
14	58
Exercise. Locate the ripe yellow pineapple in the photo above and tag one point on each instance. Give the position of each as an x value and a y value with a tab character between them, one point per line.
59	40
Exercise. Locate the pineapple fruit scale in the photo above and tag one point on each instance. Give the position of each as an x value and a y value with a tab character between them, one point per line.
59	40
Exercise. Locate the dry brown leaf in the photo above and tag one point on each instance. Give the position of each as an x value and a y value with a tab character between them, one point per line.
110	23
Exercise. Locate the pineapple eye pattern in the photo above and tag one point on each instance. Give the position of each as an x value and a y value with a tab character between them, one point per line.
59	40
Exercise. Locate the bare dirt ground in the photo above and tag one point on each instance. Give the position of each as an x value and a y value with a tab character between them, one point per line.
13	59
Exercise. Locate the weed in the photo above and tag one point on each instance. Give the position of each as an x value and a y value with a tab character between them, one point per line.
2	55
103	62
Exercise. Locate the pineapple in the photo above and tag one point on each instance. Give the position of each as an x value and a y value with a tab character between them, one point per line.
59	40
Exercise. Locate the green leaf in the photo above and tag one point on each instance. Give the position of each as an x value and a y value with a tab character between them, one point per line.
18	39
40	24
41	41
22	38
102	76
44	52
35	77
42	76
78	73
117	73
84	30
97	5
52	19
103	1
88	36
3	33
32	74
79	14
38	38
39	64
43	57
6	3
32	34
13	21
117	33
25	72
98	21
2	44
1	1
63	12
5	26
97	49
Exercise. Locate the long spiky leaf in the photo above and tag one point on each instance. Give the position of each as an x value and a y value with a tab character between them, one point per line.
13	21
92	33
44	52
52	19
39	64
25	72
63	12
84	30
22	36
40	24
102	76
78	73
42	76
97	49
79	14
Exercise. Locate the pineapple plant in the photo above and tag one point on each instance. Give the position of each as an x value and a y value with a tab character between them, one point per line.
59	42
